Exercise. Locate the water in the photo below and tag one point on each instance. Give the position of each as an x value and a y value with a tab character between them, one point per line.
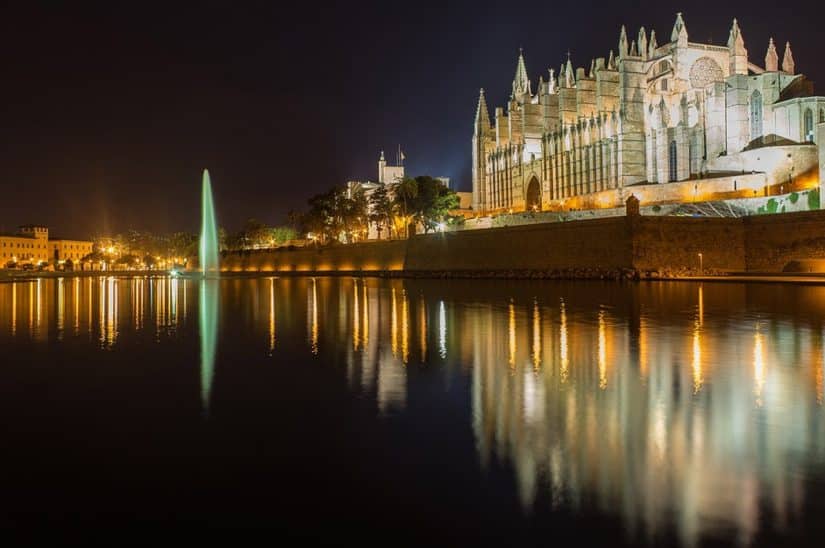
209	230
413	411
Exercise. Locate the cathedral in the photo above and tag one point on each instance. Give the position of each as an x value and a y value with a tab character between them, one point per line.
665	122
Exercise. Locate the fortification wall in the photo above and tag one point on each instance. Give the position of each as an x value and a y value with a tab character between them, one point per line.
597	244
772	241
380	256
764	243
674	244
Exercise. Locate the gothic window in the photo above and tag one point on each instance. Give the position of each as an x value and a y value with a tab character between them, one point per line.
664	84
822	116
809	125
756	115
672	161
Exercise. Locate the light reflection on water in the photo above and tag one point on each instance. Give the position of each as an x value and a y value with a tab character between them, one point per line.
674	407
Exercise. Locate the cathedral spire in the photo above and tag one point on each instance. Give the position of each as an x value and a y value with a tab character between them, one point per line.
551	84
611	61
623	43
592	73
653	44
642	39
521	83
482	122
569	77
788	64
735	41
679	33
736	48
771	58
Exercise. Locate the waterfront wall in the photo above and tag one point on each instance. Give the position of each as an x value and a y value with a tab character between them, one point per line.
648	245
773	241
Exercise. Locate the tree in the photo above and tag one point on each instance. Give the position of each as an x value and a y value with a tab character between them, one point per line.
382	209
338	214
425	200
433	202
282	234
406	192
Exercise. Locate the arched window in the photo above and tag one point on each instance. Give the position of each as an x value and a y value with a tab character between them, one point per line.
809	125
672	164
756	115
822	116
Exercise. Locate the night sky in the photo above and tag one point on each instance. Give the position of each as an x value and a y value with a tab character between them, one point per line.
111	112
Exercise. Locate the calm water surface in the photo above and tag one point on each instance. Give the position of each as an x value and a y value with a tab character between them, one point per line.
413	411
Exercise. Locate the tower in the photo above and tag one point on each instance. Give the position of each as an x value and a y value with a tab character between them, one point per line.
482	142
737	51
771	58
382	164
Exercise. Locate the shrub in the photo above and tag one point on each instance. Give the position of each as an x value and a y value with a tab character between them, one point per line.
813	199
771	206
794	197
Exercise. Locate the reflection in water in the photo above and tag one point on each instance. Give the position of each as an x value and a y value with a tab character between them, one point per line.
442	330
312	315
668	407
271	315
208	314
758	366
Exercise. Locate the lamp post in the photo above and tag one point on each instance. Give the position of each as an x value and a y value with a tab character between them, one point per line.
701	269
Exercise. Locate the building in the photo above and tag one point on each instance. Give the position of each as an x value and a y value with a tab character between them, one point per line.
32	246
670	122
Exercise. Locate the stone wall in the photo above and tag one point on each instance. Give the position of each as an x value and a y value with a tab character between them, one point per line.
377	256
773	241
673	244
667	245
598	244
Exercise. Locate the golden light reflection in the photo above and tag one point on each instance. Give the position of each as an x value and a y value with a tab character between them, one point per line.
442	330
758	366
365	329
76	303
643	348
405	326
313	316
13	308
61	308
356	316
173	299
511	334
111	311
39	305
101	313
394	324
602	352
422	327
563	356
696	363
271	315
536	351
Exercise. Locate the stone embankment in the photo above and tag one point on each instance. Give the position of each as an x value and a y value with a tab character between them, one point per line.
619	248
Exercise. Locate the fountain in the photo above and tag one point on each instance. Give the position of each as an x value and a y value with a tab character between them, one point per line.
208	258
209	292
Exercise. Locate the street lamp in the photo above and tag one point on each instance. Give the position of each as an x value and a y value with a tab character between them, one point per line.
701	270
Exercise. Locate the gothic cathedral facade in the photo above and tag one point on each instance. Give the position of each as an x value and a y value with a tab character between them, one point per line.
651	114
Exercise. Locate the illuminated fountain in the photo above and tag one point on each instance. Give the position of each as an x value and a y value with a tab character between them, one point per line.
208	261
208	258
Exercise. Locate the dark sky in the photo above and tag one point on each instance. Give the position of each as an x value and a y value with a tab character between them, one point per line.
111	110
